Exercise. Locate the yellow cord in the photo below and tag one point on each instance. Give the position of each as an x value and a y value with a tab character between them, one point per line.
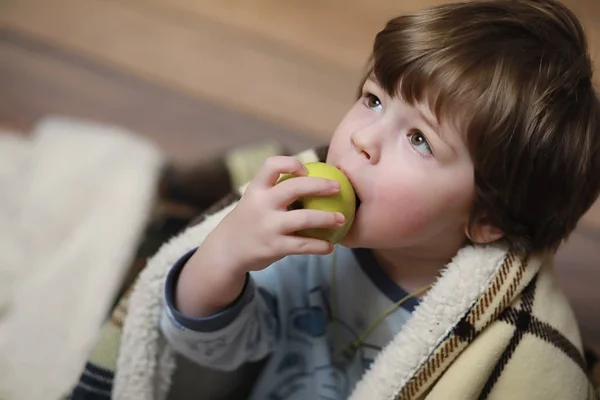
334	302
354	345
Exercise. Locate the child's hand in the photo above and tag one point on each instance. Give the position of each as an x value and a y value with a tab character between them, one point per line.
260	229
256	233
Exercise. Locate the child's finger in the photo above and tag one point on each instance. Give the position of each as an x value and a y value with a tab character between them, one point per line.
274	166
293	245
288	191
297	220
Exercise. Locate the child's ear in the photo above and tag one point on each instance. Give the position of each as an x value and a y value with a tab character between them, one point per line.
482	231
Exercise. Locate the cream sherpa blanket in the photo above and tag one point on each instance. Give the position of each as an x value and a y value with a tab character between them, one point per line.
75	197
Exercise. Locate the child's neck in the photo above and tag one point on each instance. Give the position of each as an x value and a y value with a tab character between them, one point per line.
412	271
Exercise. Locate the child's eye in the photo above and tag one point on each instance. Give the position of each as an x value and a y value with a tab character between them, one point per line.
419	142
372	101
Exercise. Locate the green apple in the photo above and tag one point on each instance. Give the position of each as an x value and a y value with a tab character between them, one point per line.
344	201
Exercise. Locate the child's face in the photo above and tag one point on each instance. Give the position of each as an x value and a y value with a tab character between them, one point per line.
413	175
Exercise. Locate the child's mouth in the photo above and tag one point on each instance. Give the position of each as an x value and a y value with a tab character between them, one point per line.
358	201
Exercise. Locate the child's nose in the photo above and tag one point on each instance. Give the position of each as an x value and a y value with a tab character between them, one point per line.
367	144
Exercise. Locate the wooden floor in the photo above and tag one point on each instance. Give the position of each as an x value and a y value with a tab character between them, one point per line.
199	76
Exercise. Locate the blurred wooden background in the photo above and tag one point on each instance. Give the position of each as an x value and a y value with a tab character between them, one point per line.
200	76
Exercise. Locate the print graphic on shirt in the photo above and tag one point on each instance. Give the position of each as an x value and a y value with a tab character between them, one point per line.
207	347
260	328
302	368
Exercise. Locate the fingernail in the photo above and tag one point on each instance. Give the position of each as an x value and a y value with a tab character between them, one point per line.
334	185
339	217
302	170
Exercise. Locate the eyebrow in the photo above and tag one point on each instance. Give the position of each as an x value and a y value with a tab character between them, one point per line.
371	78
435	127
432	122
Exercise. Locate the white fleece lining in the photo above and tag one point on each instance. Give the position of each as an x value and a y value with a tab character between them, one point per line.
461	283
145	364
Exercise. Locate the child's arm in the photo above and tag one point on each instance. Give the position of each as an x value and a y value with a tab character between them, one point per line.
246	330
255	234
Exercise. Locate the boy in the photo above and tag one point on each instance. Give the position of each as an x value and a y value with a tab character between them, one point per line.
474	149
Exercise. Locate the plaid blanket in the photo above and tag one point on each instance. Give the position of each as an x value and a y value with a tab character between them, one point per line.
182	198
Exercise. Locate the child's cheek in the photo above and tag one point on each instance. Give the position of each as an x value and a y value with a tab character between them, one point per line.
405	215
339	145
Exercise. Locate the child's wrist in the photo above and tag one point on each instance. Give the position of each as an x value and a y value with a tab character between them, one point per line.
225	289
208	284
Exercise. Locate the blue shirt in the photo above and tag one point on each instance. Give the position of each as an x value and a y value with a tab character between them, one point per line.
287	313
